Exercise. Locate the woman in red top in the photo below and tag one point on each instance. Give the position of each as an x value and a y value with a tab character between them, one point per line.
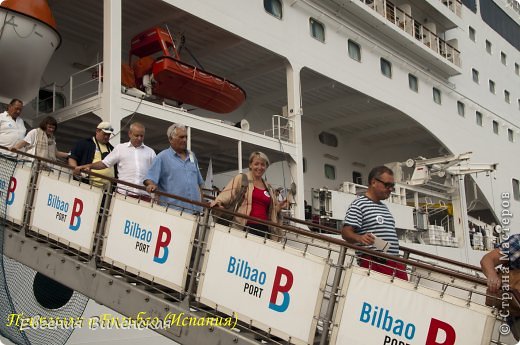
259	200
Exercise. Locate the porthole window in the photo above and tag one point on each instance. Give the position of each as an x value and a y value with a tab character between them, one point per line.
386	68
413	83
478	118
273	7
461	108
354	50
328	139
330	171
437	96
317	30
516	189
495	127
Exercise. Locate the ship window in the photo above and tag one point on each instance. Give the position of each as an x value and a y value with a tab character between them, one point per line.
328	139
478	118
503	58
304	163
472	34
413	83
474	73
461	108
516	189
507	97
386	68
491	86
357	177
495	127
330	172
317	30
517	68
488	47
354	50
273	7
437	96
510	135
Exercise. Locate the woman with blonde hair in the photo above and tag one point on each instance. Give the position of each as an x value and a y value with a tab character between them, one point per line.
258	199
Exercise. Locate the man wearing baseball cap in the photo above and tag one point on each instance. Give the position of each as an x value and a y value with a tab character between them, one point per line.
94	149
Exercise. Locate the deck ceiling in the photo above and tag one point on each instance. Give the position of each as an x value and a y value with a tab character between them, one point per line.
326	103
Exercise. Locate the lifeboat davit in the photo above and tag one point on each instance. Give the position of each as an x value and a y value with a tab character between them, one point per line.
28	38
177	80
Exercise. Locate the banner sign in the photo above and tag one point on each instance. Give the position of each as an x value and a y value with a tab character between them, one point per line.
17	188
276	288
149	241
66	210
378	311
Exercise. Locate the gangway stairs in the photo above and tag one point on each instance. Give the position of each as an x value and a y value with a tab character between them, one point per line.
199	282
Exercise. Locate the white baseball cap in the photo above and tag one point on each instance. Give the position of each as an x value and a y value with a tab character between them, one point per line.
106	127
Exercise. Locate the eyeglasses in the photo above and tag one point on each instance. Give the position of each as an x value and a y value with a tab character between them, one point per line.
388	185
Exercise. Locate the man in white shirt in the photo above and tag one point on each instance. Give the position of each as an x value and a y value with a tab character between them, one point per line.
133	160
12	128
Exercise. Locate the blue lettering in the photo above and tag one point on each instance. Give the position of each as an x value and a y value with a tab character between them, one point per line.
380	318
365	312
231	264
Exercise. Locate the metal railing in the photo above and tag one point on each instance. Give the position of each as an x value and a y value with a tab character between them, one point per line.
415	29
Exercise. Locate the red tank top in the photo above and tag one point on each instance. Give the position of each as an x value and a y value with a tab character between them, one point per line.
260	204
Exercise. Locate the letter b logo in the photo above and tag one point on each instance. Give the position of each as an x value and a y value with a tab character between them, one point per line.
77	209
163	240
10	190
283	289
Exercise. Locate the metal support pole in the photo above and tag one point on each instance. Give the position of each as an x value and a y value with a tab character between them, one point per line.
332	300
203	229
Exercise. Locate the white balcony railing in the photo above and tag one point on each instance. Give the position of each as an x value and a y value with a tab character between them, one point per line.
415	29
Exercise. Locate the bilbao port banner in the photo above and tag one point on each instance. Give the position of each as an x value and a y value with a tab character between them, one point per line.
149	241
378	311
275	288
17	188
66	210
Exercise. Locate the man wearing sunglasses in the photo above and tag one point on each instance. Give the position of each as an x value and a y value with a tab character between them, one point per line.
369	223
94	149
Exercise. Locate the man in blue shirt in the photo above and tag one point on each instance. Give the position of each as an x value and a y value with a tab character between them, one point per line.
176	171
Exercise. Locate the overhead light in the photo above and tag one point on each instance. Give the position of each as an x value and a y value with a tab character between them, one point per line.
358	164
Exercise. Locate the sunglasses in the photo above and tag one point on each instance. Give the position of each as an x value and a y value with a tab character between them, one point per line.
388	185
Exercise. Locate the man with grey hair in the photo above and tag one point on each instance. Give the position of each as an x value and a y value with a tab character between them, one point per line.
175	170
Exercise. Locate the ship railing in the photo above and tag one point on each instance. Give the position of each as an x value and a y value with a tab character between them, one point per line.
282	128
414	28
317	274
86	83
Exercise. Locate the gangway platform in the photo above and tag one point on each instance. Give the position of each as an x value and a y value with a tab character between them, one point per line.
196	281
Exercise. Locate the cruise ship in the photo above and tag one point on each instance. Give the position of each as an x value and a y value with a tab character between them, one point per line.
327	89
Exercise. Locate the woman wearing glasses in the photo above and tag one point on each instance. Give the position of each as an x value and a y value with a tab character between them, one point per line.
258	199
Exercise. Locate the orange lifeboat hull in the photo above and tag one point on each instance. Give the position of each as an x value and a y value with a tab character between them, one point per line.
188	84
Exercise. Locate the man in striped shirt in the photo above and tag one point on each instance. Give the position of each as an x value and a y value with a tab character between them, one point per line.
368	219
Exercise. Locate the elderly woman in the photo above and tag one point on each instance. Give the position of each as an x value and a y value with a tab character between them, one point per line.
41	140
258	201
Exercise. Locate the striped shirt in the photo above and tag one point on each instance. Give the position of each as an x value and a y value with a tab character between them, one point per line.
511	248
365	215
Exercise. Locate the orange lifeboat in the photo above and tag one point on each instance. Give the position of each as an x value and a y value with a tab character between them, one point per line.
28	38
174	79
